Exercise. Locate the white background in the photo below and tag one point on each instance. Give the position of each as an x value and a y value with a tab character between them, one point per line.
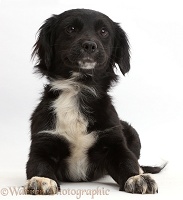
150	96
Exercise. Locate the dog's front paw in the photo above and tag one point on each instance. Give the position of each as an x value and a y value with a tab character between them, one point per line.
40	185
141	184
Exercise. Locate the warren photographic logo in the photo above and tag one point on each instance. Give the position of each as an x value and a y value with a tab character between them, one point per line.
78	193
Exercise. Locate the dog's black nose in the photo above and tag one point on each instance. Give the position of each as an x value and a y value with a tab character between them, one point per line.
89	46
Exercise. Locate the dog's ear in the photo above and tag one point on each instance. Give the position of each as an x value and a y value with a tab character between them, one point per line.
121	50
43	47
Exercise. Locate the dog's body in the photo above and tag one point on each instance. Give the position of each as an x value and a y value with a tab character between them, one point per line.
76	133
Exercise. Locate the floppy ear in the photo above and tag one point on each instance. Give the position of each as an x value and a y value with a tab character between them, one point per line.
43	47
121	50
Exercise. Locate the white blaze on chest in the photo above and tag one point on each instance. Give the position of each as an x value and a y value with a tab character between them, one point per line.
71	124
69	118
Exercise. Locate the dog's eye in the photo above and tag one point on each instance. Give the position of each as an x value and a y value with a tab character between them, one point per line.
104	32
70	29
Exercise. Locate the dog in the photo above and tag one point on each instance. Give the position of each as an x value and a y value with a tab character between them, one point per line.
76	134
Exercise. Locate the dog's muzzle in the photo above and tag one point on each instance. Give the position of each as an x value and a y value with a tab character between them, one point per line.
89	48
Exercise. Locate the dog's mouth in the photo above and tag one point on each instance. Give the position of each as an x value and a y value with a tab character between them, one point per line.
87	63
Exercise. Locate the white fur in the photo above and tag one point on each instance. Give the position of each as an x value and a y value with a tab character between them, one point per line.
41	185
87	65
71	124
141	170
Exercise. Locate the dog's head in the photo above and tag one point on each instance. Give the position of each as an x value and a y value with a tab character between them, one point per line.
81	40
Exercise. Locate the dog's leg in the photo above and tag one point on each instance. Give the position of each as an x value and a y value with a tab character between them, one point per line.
123	167
45	153
132	138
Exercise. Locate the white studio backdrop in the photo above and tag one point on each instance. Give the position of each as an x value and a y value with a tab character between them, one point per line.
150	96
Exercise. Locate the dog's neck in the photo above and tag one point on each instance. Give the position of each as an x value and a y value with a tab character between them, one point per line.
75	82
100	82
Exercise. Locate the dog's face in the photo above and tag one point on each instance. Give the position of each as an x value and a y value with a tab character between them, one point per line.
81	40
87	40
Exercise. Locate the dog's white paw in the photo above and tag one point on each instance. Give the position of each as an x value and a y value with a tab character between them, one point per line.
141	184
41	186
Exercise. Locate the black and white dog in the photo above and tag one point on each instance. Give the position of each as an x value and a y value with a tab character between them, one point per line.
75	131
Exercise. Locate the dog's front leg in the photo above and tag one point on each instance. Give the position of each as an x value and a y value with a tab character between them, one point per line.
46	152
123	167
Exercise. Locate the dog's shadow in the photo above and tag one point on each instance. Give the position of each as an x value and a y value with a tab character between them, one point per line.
100	183
113	185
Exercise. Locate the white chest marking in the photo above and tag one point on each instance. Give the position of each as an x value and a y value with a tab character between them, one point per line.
71	124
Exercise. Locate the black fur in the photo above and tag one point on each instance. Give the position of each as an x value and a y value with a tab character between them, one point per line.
59	48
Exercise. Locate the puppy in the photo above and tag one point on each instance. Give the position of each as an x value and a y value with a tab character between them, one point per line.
76	134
